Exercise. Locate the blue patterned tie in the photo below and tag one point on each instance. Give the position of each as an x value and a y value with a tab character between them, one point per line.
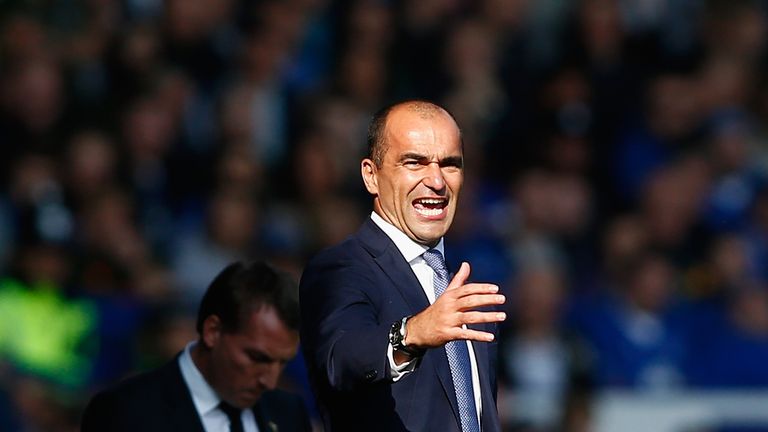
457	351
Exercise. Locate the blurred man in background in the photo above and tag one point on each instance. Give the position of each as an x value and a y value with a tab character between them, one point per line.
225	381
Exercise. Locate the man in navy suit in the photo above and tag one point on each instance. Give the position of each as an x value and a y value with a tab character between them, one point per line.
392	342
248	324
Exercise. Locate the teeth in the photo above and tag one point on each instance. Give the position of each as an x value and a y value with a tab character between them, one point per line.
430	201
430	212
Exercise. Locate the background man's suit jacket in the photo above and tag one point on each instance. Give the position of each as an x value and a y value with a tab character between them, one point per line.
160	401
350	296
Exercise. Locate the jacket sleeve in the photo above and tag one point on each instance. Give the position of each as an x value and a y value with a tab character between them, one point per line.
344	340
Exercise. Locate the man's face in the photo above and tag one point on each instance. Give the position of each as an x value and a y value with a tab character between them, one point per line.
417	186
246	363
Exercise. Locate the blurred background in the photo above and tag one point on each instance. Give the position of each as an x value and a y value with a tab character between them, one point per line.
616	167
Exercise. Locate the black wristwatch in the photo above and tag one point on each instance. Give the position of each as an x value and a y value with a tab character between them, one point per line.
397	339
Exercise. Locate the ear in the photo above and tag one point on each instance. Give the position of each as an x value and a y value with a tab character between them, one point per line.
369	172
211	331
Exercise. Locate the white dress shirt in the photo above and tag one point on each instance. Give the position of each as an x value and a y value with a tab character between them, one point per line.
206	400
412	252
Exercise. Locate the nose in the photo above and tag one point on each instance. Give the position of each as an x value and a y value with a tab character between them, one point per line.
271	375
434	177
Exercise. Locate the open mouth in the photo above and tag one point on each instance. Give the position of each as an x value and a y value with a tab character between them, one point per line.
430	207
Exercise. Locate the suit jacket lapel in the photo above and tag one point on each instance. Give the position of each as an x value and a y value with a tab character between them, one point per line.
443	371
263	420
392	263
180	406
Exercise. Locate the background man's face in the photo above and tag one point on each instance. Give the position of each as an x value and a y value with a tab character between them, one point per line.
418	184
248	362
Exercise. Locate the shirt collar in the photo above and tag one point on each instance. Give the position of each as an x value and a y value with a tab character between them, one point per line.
407	247
203	395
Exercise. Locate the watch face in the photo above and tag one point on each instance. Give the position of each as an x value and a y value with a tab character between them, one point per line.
396	335
394	332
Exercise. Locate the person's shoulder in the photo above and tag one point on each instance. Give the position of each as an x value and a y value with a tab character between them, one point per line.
344	247
350	248
140	388
118	403
148	380
341	261
351	262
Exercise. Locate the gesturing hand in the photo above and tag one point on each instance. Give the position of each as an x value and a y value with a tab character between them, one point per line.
442	321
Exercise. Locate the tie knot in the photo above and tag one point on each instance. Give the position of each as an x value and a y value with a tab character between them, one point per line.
231	411
435	259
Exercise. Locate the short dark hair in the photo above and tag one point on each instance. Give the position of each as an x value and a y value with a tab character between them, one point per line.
241	289
376	139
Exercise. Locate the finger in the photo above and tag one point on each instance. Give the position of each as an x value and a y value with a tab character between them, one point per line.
478	300
461	276
475	317
474	335
475	288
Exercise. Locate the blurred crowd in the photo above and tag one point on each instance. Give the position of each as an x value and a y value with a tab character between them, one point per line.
616	180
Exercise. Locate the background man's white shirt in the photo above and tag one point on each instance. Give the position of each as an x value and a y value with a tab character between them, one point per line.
206	400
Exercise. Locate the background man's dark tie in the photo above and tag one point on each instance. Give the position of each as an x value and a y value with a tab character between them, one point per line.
235	420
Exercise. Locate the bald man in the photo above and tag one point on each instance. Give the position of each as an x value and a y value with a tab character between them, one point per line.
393	341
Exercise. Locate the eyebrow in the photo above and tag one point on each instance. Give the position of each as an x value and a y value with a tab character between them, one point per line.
456	161
406	156
266	357
259	354
450	160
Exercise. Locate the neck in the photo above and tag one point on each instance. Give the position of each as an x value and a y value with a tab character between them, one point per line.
378	211
200	358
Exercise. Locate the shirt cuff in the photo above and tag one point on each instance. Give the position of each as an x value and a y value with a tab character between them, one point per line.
396	372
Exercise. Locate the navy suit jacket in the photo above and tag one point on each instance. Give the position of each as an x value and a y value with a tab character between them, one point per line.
350	296
160	401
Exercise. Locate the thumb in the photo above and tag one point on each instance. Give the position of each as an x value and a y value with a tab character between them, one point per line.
461	276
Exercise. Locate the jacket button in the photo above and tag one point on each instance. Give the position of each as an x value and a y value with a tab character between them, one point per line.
371	375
